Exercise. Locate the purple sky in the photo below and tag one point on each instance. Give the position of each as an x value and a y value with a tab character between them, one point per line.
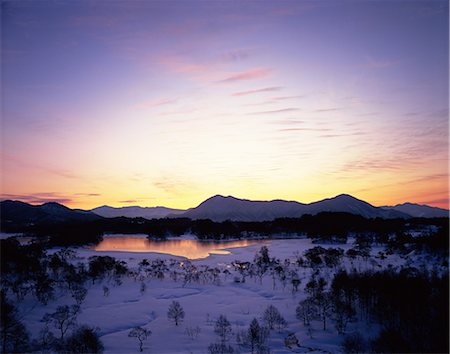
170	102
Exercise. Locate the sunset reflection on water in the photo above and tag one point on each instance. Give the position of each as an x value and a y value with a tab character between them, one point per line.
192	249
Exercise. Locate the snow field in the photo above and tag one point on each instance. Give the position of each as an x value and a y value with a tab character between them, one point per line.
126	306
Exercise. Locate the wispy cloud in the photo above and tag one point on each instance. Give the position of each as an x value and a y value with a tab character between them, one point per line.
276	111
442	203
156	103
372	63
61	172
128	201
38	198
172	185
305	129
88	194
332	109
251	74
236	55
250	92
283	98
287	121
181	65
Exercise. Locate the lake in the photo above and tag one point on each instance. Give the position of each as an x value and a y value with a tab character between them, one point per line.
191	249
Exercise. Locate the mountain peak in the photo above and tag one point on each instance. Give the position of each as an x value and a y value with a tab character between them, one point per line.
53	205
345	197
220	196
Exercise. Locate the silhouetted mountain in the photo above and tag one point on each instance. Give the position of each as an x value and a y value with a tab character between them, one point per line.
349	204
16	213
135	212
220	208
419	210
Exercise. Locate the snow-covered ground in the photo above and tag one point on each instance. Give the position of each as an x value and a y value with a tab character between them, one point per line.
127	306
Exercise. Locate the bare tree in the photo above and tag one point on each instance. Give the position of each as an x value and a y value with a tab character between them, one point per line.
257	336
223	328
105	291
306	311
192	332
175	312
142	288
79	294
220	348
141	334
272	318
62	319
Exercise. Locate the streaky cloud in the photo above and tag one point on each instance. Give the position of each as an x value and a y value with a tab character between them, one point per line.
332	109
156	103
276	111
250	92
38	198
283	98
251	74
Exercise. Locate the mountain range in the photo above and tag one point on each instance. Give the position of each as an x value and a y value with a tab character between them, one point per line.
19	213
217	208
136	212
220	208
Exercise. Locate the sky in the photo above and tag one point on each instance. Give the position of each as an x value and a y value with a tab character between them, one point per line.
171	102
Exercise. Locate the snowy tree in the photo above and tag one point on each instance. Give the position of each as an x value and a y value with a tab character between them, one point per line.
324	306
105	291
295	281
175	312
262	257
220	348
79	294
141	334
306	311
343	313
142	288
272	318
223	328
192	332
257	336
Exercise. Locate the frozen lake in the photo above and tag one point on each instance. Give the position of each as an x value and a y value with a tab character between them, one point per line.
191	248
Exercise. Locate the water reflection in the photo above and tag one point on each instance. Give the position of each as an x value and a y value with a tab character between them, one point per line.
192	249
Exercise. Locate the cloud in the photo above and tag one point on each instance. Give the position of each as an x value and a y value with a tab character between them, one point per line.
156	103
372	63
441	202
128	201
50	169
250	92
320	110
375	165
88	194
288	121
172	185
248	75
326	136
38	198
282	110
235	55
181	65
282	98
305	129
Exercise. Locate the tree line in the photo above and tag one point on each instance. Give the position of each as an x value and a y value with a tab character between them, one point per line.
325	226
